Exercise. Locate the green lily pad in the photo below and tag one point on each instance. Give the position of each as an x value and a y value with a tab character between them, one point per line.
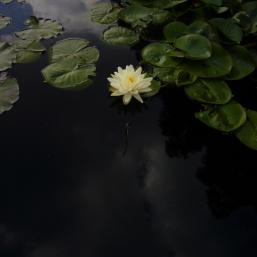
183	78
218	65
7	56
4	21
226	118
158	54
120	36
66	75
28	51
228	29
73	49
164	74
210	91
155	86
9	92
243	64
105	13
137	15
194	46
247	134
174	30
40	29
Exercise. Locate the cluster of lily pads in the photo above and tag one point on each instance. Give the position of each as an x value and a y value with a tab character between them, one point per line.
201	46
72	62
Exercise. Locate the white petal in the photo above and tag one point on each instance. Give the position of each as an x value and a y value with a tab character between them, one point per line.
116	93
145	90
138	97
139	71
126	98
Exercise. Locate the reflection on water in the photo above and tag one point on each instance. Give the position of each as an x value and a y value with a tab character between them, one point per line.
67	189
72	14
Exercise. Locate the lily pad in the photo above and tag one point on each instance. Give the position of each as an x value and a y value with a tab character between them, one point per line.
209	91
105	13
4	21
73	49
158	54
247	134
218	65
174	30
228	29
68	74
164	74
9	92
120	36
243	64
226	118
7	56
183	78
40	29
137	15
194	46
28	51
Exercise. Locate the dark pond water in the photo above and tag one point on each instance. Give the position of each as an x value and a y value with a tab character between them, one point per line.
71	186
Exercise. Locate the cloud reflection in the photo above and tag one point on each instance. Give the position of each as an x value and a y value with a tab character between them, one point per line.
74	15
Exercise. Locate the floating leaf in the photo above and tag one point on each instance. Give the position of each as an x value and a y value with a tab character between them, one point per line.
164	74
136	15
174	30
228	28
155	86
28	51
105	13
243	64
73	49
40	29
182	77
4	21
194	46
209	91
225	118
68	74
247	134
120	36
158	54
7	56
9	92
218	65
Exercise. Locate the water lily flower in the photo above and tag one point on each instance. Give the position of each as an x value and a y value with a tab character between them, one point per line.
129	82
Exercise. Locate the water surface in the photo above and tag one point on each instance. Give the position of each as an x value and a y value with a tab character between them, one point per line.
72	185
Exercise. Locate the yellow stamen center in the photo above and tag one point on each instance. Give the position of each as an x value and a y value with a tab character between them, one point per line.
132	79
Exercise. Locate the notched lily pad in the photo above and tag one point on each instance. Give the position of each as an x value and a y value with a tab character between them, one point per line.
218	65
67	75
105	13
7	56
73	49
72	64
209	91
120	36
226	118
159	54
28	51
40	29
9	92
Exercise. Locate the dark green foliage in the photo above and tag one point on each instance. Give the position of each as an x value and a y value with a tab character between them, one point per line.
203	44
